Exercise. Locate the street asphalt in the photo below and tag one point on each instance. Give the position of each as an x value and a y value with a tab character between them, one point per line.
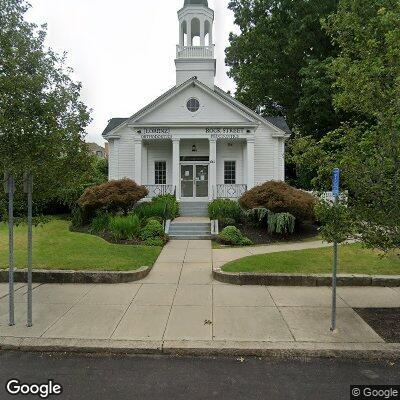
172	378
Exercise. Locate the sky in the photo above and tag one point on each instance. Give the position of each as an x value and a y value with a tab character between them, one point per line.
123	51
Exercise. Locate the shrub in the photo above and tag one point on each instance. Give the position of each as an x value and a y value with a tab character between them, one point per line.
153	229
277	223
281	223
100	223
77	217
279	197
161	207
225	210
112	196
145	211
124	227
232	235
170	203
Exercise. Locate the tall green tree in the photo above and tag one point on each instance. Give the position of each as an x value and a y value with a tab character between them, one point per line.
42	118
366	76
279	61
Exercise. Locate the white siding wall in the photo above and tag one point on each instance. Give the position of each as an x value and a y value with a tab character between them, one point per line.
210	111
158	151
267	162
226	153
122	156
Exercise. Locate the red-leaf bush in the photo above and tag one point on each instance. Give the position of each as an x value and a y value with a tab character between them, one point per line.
279	197
113	196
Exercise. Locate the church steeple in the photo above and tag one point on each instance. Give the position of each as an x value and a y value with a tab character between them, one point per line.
195	51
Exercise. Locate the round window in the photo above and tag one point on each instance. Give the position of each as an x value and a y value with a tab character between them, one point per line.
193	105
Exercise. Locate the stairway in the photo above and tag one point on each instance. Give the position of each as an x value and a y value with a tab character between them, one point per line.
193	223
190	230
193	209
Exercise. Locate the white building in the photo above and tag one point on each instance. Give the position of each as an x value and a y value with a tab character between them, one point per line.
196	140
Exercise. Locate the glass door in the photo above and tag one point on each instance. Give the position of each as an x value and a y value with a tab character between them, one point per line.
187	181
201	181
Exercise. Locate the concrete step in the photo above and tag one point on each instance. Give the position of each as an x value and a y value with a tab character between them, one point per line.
193	209
190	237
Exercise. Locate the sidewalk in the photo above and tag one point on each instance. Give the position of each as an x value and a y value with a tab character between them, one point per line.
179	305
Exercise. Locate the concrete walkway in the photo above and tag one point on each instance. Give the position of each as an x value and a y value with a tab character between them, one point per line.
223	256
179	301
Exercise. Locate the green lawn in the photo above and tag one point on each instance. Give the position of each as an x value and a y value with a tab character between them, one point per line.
55	247
353	259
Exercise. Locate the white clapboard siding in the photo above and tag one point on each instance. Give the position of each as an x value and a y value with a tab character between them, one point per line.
265	155
227	153
210	110
126	155
158	151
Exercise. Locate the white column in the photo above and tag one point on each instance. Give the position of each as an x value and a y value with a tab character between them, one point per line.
250	163
210	36
202	35
175	167
189	34
145	173
138	161
213	169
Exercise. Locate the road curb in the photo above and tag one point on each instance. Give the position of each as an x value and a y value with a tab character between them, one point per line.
277	350
252	278
60	276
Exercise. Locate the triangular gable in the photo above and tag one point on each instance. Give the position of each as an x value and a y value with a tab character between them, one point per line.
171	108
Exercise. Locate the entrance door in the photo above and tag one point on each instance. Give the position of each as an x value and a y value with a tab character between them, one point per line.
194	181
201	189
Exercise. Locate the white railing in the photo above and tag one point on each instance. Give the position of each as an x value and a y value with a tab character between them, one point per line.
194	51
159	190
231	191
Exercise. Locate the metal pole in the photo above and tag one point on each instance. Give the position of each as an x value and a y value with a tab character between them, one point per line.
10	189
29	187
335	191
334	285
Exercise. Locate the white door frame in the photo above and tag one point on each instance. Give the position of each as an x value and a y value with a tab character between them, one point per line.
194	164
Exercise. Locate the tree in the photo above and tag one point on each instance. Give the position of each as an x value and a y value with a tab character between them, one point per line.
366	75
42	119
279	61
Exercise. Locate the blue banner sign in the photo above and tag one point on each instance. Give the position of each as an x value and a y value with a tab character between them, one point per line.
336	182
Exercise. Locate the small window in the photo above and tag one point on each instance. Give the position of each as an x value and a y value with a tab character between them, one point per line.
230	172
193	105
160	173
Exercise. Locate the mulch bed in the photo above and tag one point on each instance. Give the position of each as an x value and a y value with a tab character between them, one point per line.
260	235
384	321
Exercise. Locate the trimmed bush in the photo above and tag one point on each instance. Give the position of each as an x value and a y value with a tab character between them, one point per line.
151	230
225	210
124	227
232	235
100	223
153	234
113	196
160	207
279	197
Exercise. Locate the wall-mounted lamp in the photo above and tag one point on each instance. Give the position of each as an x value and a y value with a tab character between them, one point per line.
230	144
248	131
194	148
139	131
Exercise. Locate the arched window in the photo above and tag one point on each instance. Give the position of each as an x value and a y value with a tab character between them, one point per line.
195	32
184	38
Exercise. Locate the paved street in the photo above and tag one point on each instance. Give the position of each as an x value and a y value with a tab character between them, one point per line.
162	377
179	301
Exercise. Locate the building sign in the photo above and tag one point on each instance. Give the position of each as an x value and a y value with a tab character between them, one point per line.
225	131
155	133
